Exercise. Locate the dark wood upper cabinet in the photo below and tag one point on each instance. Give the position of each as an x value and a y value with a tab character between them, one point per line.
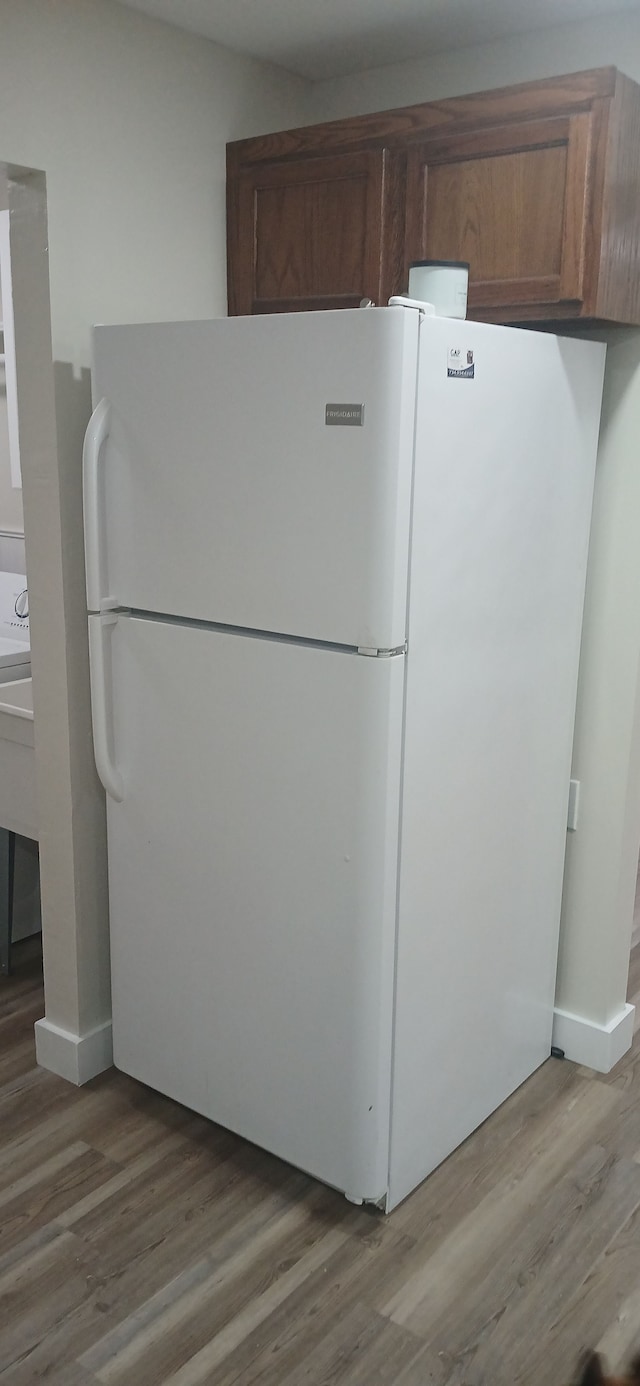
309	233
512	201
537	186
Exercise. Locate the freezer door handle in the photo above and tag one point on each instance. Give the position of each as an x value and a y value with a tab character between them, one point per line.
100	628
94	440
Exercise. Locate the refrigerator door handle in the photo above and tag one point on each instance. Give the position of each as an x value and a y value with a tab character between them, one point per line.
95	437
108	772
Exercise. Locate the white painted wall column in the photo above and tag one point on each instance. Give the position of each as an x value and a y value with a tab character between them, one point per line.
593	1024
74	1039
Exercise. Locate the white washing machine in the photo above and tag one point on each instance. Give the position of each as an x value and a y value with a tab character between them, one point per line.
15	641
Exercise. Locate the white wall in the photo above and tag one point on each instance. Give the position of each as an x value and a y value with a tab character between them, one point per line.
547	53
129	119
602	856
10	496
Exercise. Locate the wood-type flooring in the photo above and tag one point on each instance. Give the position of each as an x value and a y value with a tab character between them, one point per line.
142	1245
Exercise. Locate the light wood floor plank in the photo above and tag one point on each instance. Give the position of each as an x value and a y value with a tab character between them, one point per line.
142	1246
495	1328
198	1369
236	1268
471	1245
363	1349
314	1310
592	1309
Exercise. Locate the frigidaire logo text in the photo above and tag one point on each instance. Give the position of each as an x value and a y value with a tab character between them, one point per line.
348	414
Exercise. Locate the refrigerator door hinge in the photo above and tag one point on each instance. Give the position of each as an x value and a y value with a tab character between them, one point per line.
426	310
373	653
108	616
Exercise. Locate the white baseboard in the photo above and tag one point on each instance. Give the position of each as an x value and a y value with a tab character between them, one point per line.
74	1057
594	1046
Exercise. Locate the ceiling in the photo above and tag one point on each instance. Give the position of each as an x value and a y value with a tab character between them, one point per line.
331	38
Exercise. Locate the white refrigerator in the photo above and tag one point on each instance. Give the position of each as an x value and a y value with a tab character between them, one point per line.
335	576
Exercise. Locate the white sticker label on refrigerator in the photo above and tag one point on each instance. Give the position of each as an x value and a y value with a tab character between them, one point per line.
460	363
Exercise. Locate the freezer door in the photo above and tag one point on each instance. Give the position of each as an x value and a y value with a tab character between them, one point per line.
252	876
257	471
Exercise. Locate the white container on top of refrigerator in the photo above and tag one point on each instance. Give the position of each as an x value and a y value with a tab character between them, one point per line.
335	577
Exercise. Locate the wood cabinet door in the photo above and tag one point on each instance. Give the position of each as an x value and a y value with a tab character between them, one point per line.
513	200
306	233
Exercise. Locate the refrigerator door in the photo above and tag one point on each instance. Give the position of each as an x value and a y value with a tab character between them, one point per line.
505	459
252	878
256	472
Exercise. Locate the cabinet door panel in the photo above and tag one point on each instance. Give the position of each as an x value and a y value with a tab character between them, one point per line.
530	190
510	200
310	233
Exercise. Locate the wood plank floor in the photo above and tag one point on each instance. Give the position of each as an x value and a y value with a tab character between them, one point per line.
140	1244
